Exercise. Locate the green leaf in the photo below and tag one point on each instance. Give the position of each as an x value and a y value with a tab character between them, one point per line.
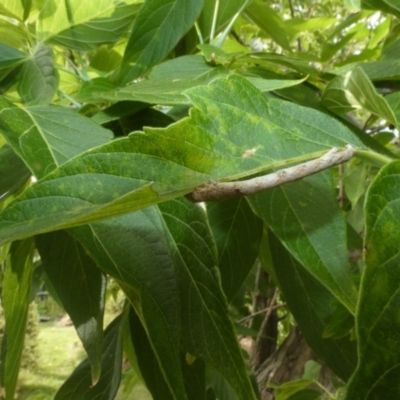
355	182
207	331
13	172
194	373
105	59
227	136
92	91
340	324
311	370
167	82
269	21
146	117
286	390
393	100
382	70
220	387
77	281
216	56
13	8
312	306
387	6
354	91
48	136
306	218
175	247
157	29
267	85
147	360
79	385
118	110
134	250
14	36
270	60
297	26
329	49
38	79
237	232
10	57
390	52
84	28
377	324
306	394
15	301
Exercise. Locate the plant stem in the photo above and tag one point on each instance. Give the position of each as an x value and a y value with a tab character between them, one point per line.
264	310
230	25
374	158
214	21
199	35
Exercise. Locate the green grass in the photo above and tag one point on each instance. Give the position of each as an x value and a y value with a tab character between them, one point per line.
60	351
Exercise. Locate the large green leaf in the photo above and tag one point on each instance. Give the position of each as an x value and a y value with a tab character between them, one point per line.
174	247
157	29
79	385
77	281
312	306
38	79
237	232
167	82
134	250
207	331
305	216
354	91
68	24
377	322
13	172
269	21
15	301
48	136
227	136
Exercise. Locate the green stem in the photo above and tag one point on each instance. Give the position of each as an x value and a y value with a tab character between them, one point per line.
83	67
214	21
331	397
200	36
374	158
69	98
229	27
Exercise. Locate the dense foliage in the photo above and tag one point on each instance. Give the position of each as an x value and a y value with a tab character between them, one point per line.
112	112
